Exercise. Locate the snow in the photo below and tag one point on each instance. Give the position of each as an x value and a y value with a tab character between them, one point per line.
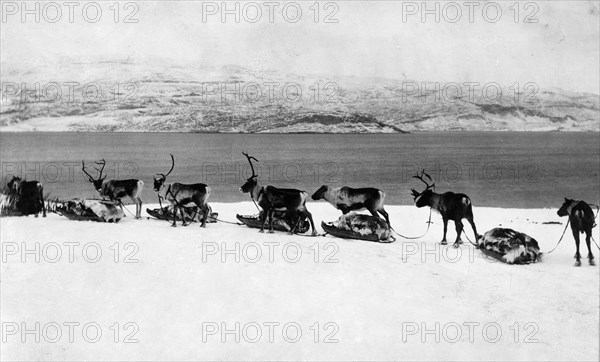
379	298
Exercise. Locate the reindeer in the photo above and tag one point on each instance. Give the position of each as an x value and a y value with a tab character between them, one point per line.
450	205
582	219
181	195
115	190
29	194
347	199
270	198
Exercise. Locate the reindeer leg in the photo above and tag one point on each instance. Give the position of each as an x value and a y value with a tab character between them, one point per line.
444	242
271	212
459	229
205	216
174	224
386	216
312	223
43	203
262	221
293	230
588	235
182	213
138	210
577	255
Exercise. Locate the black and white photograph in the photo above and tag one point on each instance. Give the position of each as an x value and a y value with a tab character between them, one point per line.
309	180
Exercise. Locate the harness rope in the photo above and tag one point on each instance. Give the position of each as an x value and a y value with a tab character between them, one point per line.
415	237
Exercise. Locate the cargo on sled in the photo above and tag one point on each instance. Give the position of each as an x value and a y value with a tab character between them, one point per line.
191	214
90	210
361	227
281	222
510	246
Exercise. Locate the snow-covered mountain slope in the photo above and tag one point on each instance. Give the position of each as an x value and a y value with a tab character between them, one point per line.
155	96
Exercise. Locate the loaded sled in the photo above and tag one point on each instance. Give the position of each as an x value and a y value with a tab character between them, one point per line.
510	246
360	227
191	214
90	210
281	222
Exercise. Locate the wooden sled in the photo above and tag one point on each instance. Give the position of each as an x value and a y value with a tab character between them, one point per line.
167	214
329	228
253	221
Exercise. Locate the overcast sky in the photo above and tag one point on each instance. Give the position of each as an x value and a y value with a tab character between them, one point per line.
376	38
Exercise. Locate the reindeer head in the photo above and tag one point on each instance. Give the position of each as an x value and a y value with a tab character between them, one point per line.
14	185
318	195
251	182
160	178
422	198
565	209
100	180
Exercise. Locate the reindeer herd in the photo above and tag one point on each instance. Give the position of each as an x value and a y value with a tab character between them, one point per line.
451	206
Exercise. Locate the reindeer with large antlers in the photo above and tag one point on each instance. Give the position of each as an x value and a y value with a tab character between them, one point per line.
181	195
451	206
270	198
115	190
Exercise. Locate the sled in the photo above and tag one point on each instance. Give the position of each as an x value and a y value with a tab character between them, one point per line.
90	210
279	224
510	246
76	217
331	229
167	214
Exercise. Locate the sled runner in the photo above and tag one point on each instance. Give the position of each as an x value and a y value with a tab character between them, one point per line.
166	213
510	246
360	227
279	223
91	210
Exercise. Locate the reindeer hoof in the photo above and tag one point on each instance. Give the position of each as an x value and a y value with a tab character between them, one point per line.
315	233
261	231
444	242
591	262
271	232
173	225
456	245
578	263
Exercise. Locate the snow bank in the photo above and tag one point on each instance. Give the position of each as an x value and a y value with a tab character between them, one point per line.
180	294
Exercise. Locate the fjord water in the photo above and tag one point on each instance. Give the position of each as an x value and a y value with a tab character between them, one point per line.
496	169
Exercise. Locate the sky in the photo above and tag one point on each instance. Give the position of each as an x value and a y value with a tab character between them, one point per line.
551	43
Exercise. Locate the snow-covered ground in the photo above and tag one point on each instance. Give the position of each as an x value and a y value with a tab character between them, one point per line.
179	293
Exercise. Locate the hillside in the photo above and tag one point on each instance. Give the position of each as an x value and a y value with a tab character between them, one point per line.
158	97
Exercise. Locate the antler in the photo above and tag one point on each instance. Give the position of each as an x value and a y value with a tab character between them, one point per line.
84	171
103	163
172	166
250	158
420	177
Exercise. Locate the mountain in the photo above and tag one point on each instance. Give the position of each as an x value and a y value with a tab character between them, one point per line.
109	95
